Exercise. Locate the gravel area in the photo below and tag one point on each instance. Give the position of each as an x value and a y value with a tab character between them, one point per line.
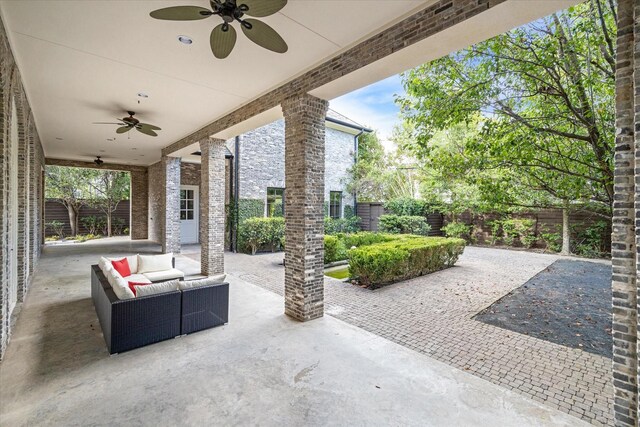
568	303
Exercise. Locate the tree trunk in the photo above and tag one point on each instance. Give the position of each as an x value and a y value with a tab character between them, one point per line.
566	232
73	219
108	224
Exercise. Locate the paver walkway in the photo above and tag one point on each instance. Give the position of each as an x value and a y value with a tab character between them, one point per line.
433	315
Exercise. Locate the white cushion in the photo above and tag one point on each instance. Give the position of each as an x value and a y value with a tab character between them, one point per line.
172	273
112	275
104	264
137	278
211	280
151	263
121	288
132	260
156	288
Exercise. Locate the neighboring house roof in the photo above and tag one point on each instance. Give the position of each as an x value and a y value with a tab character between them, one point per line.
337	118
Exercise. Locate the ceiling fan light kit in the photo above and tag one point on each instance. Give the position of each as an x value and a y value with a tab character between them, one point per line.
223	37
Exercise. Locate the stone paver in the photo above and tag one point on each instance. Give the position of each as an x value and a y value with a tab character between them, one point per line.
433	315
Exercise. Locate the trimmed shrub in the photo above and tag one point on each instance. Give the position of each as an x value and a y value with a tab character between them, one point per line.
56	227
365	238
404	224
260	234
406	257
334	249
342	225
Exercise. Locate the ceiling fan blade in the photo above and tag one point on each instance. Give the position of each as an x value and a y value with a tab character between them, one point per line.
146	131
222	42
262	8
148	126
181	13
107	123
265	36
124	129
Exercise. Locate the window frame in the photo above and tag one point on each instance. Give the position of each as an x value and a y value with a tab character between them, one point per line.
272	196
333	206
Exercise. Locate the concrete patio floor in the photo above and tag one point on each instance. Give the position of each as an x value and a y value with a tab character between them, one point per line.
261	369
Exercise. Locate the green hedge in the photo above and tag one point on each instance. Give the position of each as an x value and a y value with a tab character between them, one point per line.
334	249
258	234
341	225
337	246
404	224
404	258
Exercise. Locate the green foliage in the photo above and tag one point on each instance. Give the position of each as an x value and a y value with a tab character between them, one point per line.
260	233
348	211
406	206
365	238
108	189
249	208
94	224
57	227
341	225
80	238
525	119
334	249
514	232
552	241
590	242
117	225
458	230
403	258
404	224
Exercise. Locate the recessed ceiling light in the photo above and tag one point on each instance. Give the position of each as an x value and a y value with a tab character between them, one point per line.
142	95
185	39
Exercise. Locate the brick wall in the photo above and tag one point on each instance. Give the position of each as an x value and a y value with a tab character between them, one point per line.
156	209
25	180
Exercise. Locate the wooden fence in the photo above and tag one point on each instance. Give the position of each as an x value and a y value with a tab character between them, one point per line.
370	213
55	211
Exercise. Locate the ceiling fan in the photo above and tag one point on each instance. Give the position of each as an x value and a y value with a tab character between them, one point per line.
223	37
128	123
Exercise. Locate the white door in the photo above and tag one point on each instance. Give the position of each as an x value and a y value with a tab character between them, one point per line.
189	207
13	210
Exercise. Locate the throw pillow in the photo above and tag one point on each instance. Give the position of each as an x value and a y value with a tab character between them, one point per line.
156	288
133	262
151	263
121	288
132	286
122	267
212	280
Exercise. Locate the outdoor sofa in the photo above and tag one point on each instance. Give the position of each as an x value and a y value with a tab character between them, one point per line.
180	308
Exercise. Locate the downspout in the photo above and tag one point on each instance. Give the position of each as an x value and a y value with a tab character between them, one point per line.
355	161
236	191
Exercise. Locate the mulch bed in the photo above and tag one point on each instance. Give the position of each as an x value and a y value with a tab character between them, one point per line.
568	303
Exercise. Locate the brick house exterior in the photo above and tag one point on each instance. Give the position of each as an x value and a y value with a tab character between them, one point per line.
255	162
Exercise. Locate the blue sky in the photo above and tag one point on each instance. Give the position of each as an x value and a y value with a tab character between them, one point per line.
373	106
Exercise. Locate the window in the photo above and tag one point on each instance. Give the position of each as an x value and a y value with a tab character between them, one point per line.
186	204
275	201
335	204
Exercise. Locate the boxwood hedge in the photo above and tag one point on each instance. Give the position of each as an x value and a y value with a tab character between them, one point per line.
403	258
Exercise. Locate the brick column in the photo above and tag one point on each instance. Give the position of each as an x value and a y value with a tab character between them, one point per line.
304	196
139	221
212	209
171	204
623	239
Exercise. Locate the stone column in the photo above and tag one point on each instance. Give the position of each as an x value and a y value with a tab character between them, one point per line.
304	197
139	221
212	206
171	203
623	238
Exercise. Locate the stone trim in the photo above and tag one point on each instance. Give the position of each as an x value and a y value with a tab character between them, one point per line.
304	197
436	18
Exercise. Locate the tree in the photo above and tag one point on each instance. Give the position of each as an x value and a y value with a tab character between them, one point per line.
545	93
68	185
109	188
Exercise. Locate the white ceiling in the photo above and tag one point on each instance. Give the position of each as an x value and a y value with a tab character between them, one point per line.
86	61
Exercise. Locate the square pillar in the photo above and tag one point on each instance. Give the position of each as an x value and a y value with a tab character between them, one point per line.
139	220
625	224
171	204
212	206
304	197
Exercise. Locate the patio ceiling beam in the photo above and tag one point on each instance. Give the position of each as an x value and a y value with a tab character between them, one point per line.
433	19
92	165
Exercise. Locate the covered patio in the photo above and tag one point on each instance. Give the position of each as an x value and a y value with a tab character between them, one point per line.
263	368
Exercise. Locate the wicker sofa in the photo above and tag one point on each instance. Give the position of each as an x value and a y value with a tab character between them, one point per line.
132	323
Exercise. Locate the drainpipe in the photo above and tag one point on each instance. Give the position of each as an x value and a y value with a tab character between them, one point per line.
355	161
236	191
